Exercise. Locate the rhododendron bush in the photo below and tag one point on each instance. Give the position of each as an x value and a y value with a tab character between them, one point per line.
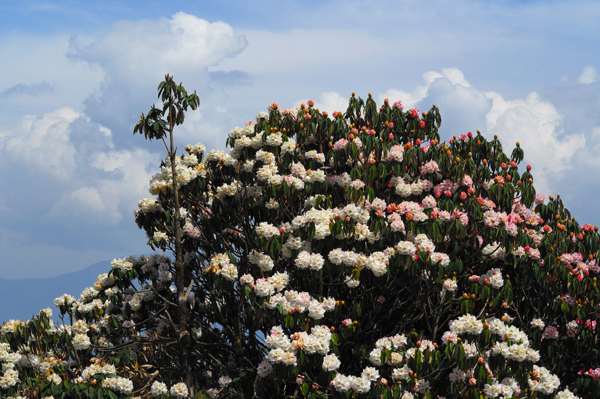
352	255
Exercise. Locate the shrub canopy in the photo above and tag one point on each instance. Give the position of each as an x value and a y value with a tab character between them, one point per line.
352	255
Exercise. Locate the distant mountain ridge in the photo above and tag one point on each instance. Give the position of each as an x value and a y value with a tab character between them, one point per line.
22	298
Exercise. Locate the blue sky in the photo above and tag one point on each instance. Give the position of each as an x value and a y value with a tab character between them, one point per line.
74	76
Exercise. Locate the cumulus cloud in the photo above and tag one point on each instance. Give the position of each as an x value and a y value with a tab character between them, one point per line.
122	180
42	143
128	173
588	75
443	78
587	160
78	155
141	51
331	101
135	55
536	124
83	156
532	121
67	193
464	107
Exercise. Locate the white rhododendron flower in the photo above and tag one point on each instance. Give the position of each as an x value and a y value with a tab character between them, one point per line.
179	391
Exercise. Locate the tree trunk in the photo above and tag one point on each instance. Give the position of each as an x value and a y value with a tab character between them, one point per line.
181	280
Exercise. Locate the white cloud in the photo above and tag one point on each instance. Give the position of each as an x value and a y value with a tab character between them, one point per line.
109	198
68	195
130	172
331	101
532	121
141	52
135	55
409	99
91	179
54	143
588	75
90	198
88	175
37	76
536	124
589	159
43	143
